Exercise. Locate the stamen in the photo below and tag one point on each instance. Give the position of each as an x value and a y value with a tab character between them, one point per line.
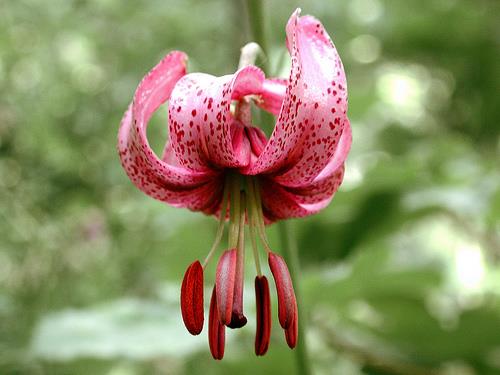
224	285
192	298
254	246
292	332
222	221
287	303
263	312
260	216
216	330
238	319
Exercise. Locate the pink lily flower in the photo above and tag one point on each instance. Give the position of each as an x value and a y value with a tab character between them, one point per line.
219	162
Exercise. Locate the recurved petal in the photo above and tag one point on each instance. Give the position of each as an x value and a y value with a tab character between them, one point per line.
158	178
313	113
272	95
339	156
201	120
281	202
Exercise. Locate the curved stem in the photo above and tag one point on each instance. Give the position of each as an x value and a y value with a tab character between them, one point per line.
256	20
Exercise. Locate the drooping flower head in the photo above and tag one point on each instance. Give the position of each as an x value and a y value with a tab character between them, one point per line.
219	162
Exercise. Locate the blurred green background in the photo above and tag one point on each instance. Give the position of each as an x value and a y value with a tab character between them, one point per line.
401	273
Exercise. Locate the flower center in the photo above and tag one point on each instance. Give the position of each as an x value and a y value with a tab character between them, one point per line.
242	193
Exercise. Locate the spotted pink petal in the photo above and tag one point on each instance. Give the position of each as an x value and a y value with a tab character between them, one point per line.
160	179
201	120
339	156
313	113
272	95
280	202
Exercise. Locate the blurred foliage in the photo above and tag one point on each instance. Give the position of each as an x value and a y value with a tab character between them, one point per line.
401	272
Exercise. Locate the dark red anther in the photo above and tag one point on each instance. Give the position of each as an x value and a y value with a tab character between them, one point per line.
216	330
224	284
287	304
238	319
192	298
263	301
292	332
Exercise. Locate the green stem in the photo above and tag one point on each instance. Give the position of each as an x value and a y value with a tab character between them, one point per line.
288	243
256	19
290	253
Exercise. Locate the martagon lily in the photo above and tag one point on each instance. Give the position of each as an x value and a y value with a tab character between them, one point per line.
219	162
